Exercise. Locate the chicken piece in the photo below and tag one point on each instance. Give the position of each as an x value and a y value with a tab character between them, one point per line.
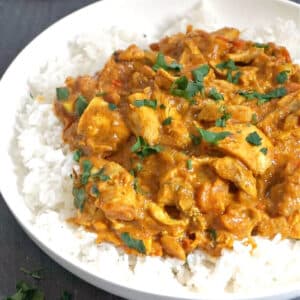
213	196
233	170
239	113
240	220
117	198
289	104
131	53
210	111
143	120
236	144
230	34
286	194
172	247
102	130
164	79
245	56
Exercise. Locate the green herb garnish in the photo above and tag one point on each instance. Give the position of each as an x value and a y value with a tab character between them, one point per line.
86	171
230	66
260	45
189	164
100	175
26	292
161	63
254	119
36	274
62	93
142	149
145	102
112	106
215	95
213	137
264	150
253	138
79	198
66	296
80	105
133	243
212	234
263	98
200	73
94	191
196	140
77	154
184	88
167	121
282	77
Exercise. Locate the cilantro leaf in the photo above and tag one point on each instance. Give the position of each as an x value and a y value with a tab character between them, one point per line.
86	171
282	77
260	45
77	154
133	243
26	292
221	122
215	95
79	198
213	137
142	149
94	191
189	164
36	274
196	140
212	234
62	93
80	105
145	102
167	121
161	63
228	64
253	138
100	175
264	150
112	106
234	78
200	73
263	98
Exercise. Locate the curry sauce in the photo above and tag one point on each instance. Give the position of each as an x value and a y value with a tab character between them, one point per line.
194	143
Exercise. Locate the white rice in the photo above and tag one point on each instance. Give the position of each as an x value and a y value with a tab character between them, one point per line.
47	185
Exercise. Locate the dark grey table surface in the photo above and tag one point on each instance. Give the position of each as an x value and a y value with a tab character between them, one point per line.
20	22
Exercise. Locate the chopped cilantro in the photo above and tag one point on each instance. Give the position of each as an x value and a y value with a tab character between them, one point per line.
189	164
161	63
282	77
254	119
260	45
230	66
264	150
94	191
212	234
77	154
195	139
253	138
213	137
133	243
79	198
262	98
26	292
80	105
167	121
145	102
112	106
200	73
221	122
100	175
86	171
215	95
62	93
142	149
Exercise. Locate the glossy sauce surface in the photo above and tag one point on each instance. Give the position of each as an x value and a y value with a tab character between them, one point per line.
193	143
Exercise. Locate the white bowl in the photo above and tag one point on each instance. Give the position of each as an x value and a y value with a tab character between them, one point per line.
129	14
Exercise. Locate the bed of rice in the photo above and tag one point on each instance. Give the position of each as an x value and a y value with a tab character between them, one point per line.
47	185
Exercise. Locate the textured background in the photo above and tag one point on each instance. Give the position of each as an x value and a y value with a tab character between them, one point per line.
20	22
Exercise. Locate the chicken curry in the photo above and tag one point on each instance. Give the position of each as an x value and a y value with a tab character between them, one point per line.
194	143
